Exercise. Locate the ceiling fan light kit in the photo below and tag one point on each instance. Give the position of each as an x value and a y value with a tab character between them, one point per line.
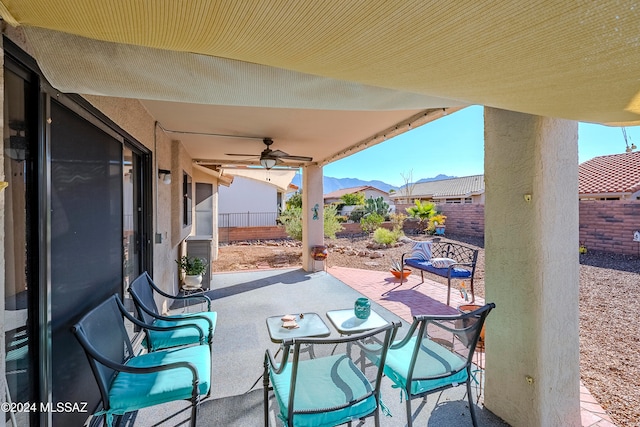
267	163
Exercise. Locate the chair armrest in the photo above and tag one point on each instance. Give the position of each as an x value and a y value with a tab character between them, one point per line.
131	369
173	319
158	328
277	368
403	257
176	297
187	297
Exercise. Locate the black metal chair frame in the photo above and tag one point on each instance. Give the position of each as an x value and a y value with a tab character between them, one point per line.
420	324
105	369
297	344
148	310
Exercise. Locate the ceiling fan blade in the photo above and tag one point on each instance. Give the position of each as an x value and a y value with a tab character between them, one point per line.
299	158
275	153
243	155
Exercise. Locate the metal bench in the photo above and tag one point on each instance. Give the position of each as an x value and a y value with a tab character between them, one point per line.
462	264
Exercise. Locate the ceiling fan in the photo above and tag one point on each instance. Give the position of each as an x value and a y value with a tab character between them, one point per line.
269	158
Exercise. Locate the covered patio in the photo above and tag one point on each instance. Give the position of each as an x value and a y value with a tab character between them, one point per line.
245	299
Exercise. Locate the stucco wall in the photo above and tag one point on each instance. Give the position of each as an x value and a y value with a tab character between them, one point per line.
248	195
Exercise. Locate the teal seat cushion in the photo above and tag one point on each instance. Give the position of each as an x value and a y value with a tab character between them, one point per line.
433	360
324	383
130	392
186	336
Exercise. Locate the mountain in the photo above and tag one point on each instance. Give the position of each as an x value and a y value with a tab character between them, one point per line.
435	178
332	184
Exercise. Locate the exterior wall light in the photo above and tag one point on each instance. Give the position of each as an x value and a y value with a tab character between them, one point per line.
164	175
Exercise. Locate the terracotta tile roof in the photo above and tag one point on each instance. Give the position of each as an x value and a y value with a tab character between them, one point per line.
617	173
455	187
351	190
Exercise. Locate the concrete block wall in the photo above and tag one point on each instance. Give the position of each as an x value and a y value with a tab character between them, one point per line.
609	225
605	225
238	234
463	219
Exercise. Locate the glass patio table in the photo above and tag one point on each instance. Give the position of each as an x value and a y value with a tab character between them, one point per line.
309	325
346	322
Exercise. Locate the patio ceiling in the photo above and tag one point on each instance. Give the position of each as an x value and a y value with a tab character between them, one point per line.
326	79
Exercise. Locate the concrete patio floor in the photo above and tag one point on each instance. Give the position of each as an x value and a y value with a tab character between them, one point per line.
244	300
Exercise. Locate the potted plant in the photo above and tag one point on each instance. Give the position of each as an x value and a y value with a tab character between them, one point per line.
399	271
437	222
193	269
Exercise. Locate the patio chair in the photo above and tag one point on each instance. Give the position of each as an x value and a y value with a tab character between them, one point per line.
142	290
128	382
326	387
436	354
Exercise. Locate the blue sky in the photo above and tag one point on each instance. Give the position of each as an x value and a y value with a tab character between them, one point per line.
454	145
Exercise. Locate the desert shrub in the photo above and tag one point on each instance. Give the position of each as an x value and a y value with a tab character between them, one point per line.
295	201
397	222
357	214
353	199
371	221
292	220
331	223
384	236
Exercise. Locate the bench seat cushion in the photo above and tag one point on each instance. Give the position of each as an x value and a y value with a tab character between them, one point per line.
324	383
130	392
457	272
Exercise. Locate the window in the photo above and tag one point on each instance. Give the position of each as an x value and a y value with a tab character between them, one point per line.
187	196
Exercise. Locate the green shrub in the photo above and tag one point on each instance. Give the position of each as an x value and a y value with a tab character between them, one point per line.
331	223
397	222
384	236
357	214
353	199
292	220
371	221
295	201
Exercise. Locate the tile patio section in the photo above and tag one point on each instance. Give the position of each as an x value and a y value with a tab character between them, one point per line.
429	297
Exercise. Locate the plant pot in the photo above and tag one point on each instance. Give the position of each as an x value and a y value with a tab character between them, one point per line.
192	281
467	308
405	273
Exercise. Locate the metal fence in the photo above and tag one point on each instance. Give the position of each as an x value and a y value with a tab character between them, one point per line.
247	219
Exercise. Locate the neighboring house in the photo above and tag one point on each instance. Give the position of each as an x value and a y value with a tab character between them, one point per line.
367	190
467	189
253	200
614	177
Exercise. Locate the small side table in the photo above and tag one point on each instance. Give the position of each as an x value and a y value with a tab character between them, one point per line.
188	290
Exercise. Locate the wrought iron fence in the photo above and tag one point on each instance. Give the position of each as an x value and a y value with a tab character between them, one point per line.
247	219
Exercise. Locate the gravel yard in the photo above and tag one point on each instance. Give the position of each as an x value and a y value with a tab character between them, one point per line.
609	340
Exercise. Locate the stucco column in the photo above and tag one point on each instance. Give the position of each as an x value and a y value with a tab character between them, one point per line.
312	214
532	266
